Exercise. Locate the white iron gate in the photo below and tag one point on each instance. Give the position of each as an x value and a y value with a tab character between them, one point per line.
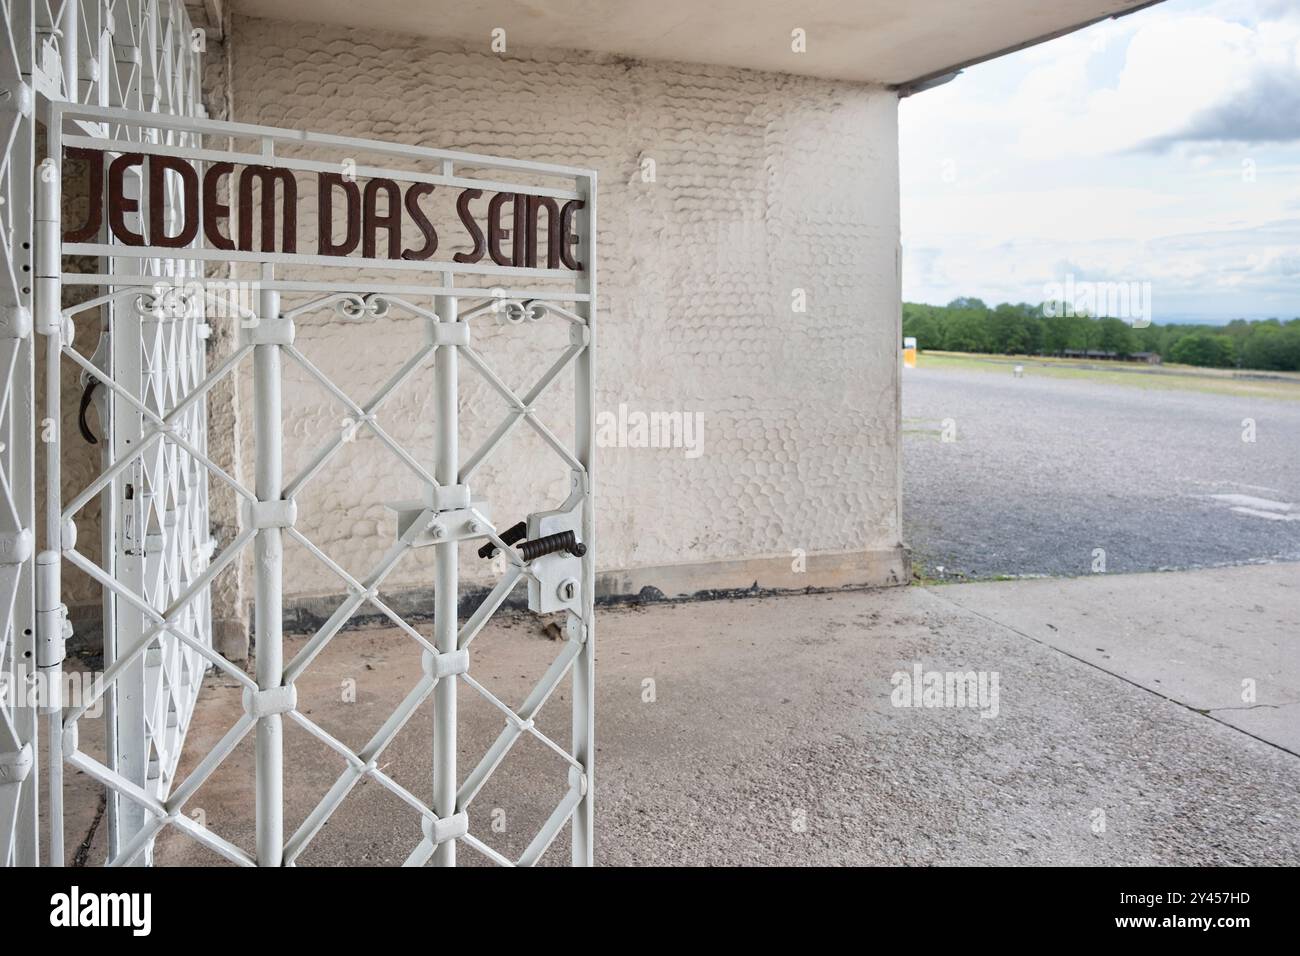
153	306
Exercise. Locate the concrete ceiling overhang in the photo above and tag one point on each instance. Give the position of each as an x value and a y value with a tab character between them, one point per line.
900	43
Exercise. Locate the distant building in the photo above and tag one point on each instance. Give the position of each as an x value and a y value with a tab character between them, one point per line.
1151	358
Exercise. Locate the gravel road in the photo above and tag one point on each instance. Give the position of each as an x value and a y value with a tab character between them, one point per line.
1042	472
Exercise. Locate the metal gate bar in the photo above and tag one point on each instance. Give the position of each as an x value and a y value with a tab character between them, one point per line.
269	582
447	587
19	736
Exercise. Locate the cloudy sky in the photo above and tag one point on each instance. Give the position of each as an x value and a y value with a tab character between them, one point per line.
1161	147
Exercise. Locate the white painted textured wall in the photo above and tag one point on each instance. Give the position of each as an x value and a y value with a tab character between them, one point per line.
764	183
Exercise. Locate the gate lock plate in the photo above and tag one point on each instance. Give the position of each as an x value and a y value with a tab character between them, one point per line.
557	581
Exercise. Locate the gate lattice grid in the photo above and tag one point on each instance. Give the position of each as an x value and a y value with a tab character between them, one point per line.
140	55
158	563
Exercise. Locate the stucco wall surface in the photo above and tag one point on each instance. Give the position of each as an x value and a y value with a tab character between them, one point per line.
767	189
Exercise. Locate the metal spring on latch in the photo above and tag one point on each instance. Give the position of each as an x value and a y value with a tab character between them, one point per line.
550	544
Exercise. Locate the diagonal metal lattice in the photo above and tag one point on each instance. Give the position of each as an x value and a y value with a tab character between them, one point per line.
164	808
141	55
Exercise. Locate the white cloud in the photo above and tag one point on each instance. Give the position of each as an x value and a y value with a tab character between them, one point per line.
1163	146
1184	77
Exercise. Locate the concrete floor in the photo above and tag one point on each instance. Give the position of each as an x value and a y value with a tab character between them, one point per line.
772	739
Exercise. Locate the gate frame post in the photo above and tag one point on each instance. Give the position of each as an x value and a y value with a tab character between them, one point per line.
18	458
584	399
49	614
446	595
268	552
126	699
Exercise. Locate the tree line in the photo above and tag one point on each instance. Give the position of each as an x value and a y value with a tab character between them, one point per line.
968	325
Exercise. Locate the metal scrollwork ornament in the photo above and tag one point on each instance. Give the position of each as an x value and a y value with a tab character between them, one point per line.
169	302
356	308
514	312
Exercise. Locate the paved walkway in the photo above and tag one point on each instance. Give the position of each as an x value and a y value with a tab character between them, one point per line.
1120	734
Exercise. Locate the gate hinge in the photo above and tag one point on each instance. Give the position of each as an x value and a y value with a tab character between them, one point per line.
53	630
52	626
49	317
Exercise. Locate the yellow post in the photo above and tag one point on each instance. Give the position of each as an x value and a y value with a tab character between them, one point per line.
909	352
